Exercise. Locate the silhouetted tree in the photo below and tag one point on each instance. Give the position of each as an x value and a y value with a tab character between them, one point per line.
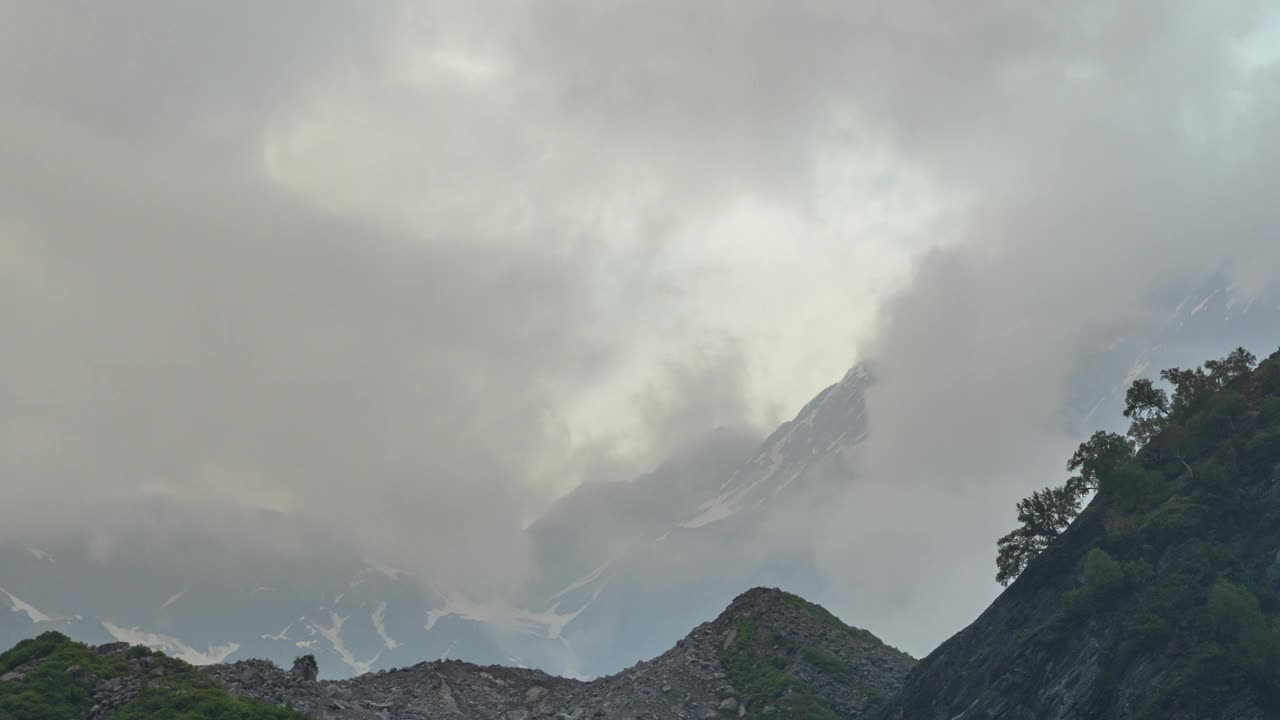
1044	516
1110	458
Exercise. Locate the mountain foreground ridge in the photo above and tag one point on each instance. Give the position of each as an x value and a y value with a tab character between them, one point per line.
770	653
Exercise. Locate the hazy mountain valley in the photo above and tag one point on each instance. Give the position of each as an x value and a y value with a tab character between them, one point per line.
1159	600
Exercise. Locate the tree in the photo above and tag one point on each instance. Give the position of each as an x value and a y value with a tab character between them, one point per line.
1106	462
1016	551
1097	458
1044	515
1236	364
1147	406
1192	386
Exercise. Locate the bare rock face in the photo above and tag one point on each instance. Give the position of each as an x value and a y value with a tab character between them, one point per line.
691	680
305	669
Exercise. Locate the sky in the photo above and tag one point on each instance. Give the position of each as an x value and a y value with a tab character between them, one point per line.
413	270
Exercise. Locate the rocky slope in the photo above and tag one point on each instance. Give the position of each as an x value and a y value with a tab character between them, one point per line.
1162	600
769	653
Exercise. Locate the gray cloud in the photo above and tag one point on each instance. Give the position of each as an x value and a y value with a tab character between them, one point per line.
176	325
1123	160
376	266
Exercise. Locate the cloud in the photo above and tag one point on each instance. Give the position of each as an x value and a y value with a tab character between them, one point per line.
178	324
412	271
1108	165
407	272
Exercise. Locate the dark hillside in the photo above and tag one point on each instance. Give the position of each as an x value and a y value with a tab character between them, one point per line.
1161	600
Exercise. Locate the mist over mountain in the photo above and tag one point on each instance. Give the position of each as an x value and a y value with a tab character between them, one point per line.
622	569
535	333
1153	594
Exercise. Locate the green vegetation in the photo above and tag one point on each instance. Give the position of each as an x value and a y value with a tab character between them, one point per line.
1173	547
1103	577
824	616
1046	513
1205	404
764	681
59	686
49	691
771	669
841	672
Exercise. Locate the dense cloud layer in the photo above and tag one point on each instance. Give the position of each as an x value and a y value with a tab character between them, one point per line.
412	270
1122	158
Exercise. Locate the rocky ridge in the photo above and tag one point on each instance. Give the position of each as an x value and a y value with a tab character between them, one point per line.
769	654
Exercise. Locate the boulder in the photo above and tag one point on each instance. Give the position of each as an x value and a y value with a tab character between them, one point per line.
305	669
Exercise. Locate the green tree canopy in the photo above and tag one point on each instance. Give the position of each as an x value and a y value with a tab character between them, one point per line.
1109	458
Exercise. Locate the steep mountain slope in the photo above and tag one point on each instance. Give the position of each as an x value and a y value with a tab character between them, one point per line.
1162	600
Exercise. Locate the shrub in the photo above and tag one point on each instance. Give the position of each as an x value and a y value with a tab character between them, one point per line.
1173	519
1233	611
1103	576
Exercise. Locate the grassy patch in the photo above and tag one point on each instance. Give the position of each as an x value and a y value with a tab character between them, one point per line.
763	680
48	692
177	691
825	616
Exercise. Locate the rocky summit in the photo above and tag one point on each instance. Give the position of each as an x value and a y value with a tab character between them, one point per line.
769	654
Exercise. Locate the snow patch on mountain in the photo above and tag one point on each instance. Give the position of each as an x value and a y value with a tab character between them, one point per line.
333	634
391	572
173	598
280	636
585	580
548	624
378	616
1203	303
171	645
38	554
31	611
